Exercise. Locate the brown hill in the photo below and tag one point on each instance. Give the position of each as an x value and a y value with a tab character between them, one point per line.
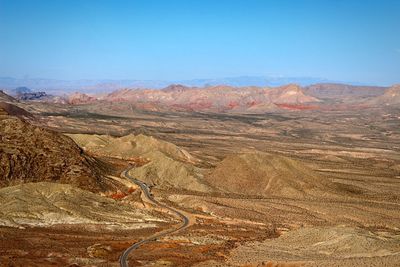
262	174
12	110
129	146
390	97
30	154
165	172
168	166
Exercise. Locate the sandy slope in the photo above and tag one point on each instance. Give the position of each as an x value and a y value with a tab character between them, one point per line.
129	146
45	204
263	174
166	172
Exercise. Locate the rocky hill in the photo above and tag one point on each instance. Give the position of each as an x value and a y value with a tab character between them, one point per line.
31	154
167	165
129	146
165	172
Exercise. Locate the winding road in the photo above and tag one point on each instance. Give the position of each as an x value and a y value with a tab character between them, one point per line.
123	260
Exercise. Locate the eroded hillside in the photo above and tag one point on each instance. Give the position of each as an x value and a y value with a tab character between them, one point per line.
32	154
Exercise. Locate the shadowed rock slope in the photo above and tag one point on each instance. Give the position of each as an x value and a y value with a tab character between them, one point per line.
31	154
12	110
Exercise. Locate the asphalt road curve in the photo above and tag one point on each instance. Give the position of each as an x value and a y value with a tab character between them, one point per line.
123	260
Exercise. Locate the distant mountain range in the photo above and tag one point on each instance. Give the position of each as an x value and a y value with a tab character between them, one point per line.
225	98
250	99
59	87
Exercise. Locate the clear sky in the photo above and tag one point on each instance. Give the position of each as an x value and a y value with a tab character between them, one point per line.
168	39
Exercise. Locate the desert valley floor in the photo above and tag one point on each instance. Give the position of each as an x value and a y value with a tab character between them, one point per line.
293	186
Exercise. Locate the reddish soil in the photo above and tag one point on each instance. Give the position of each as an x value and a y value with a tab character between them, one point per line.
67	245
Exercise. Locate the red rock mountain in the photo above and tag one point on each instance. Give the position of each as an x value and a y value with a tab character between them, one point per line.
290	94
214	98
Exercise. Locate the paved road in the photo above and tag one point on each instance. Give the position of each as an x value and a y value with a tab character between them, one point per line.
123	260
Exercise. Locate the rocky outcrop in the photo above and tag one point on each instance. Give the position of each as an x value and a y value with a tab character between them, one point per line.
31	154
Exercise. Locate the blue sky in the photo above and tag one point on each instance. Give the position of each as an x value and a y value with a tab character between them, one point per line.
169	40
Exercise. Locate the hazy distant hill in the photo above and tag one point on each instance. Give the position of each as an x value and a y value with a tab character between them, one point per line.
20	90
342	91
53	86
254	81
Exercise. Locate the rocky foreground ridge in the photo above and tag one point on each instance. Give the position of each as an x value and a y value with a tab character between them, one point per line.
32	154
